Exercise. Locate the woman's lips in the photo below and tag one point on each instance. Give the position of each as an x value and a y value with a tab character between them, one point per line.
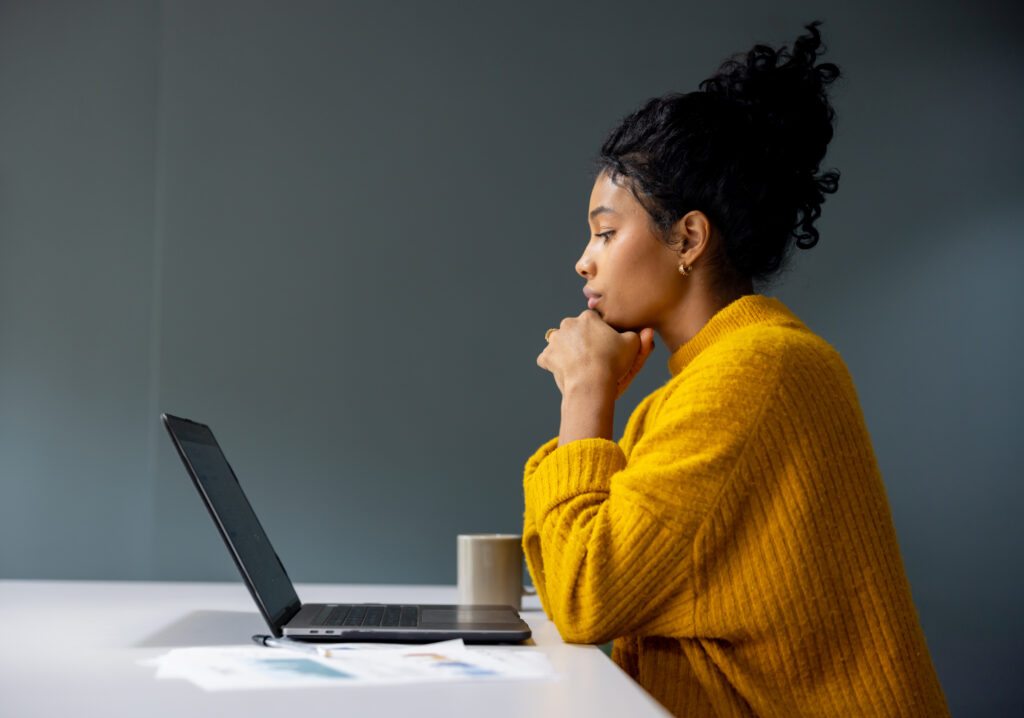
592	297
592	302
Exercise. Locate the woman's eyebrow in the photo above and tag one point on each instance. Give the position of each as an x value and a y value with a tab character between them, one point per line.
601	209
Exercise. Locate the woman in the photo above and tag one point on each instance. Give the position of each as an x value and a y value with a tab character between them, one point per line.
736	543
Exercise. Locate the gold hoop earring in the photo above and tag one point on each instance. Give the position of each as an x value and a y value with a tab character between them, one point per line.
684	270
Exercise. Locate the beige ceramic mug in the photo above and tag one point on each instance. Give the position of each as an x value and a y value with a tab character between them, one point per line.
490	569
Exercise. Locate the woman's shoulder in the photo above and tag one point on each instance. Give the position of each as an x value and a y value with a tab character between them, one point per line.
766	354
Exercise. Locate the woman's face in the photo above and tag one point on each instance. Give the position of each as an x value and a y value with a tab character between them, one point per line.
632	277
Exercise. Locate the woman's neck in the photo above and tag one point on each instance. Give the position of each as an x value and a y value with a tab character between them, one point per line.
703	301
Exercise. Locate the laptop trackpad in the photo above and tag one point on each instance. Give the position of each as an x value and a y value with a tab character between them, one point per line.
468	616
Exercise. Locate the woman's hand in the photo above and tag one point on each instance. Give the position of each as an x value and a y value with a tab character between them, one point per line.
585	352
592	365
646	336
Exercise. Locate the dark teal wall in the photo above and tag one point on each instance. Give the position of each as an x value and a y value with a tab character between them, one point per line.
337	234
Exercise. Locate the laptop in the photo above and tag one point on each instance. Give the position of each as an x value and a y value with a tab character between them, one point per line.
274	593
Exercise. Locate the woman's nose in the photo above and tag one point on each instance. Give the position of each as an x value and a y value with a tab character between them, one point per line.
584	267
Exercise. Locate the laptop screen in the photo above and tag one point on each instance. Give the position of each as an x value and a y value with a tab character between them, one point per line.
241	530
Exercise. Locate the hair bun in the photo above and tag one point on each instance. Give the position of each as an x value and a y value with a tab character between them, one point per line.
782	97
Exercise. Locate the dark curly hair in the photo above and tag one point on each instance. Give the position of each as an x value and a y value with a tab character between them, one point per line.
745	150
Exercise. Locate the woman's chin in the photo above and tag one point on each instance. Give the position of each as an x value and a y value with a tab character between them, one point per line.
616	324
623	324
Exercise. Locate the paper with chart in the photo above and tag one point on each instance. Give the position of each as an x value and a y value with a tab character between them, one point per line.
253	667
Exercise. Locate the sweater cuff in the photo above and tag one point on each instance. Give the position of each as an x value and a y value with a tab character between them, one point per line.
534	461
579	467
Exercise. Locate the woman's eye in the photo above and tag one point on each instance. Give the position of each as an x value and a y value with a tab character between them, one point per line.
606	235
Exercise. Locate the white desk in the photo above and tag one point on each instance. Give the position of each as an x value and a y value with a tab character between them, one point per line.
71	648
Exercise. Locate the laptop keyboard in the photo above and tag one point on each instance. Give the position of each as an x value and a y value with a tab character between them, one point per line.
368	615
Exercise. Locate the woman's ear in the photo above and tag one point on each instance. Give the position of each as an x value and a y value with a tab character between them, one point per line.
692	234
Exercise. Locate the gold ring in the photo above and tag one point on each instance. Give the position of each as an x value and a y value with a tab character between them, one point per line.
547	334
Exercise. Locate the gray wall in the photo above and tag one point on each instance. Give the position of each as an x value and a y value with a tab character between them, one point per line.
337	234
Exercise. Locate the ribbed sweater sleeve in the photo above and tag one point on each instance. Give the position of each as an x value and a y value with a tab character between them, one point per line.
608	536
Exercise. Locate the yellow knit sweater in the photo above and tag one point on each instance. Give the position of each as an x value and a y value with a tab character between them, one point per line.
737	542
